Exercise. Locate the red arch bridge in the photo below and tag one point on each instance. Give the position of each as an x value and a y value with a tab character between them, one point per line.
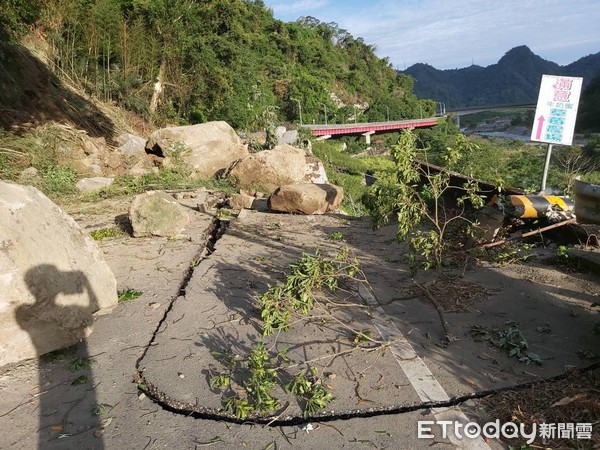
369	128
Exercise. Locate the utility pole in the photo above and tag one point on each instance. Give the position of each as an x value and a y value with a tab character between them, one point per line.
325	106
388	112
299	108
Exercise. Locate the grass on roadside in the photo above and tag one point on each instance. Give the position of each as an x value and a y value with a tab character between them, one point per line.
52	152
104	233
348	172
128	295
167	179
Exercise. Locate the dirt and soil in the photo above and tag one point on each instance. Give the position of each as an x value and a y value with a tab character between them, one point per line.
199	296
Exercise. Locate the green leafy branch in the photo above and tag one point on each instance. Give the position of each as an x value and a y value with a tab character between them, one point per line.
308	387
309	274
416	196
298	294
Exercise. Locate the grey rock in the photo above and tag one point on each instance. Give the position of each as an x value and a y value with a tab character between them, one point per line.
156	213
93	184
290	137
53	277
270	168
131	145
145	165
29	176
241	201
207	148
306	198
315	171
279	132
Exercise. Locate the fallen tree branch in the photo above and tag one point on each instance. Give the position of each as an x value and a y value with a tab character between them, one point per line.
338	354
438	307
529	233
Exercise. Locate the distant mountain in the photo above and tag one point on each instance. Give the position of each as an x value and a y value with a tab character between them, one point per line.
514	79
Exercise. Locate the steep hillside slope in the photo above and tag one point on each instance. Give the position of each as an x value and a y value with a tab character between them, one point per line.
184	61
32	95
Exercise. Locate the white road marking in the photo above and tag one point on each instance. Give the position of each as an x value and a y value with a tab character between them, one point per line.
423	381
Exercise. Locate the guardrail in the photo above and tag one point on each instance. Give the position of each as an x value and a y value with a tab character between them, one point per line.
587	202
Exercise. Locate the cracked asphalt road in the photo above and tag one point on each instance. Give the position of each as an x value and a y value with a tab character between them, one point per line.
41	407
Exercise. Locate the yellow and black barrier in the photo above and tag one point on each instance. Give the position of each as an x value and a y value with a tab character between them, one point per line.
536	206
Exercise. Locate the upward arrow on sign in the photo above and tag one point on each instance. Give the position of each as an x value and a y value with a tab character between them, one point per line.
541	120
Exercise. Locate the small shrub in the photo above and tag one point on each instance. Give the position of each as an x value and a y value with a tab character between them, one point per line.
128	295
58	180
400	194
308	274
336	236
104	233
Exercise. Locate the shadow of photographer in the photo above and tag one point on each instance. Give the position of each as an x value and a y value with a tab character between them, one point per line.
61	316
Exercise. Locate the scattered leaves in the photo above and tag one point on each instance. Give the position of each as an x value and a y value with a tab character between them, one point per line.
128	295
104	233
83	379
79	364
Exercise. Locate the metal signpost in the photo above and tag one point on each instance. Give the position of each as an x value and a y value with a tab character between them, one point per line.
555	114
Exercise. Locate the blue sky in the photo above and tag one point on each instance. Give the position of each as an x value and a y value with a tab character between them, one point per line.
451	34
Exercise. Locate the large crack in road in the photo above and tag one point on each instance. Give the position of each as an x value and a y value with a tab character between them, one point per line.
214	232
157	389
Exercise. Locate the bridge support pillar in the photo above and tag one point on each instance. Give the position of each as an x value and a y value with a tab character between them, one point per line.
322	138
367	136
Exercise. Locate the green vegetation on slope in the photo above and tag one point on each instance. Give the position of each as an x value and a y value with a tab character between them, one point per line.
514	79
513	163
217	60
589	107
506	162
344	170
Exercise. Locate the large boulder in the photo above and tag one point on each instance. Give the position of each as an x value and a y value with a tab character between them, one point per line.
156	213
315	171
270	168
306	198
53	277
131	145
206	148
290	137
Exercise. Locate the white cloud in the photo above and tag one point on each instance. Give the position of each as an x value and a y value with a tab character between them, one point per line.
452	34
300	6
